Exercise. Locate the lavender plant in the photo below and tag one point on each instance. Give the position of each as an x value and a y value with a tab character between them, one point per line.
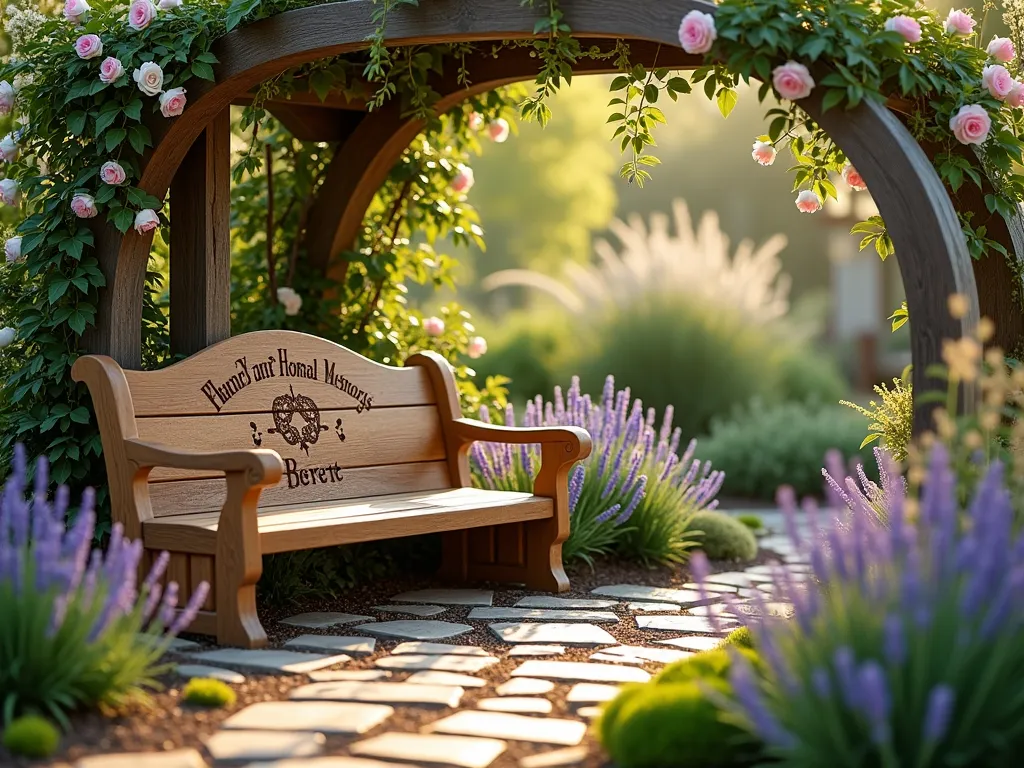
76	629
907	646
634	494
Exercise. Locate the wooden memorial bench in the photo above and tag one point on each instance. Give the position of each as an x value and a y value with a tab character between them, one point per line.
277	441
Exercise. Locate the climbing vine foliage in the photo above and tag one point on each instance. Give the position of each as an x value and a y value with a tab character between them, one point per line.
88	87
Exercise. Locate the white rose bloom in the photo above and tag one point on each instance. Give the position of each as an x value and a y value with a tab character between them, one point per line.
290	299
150	78
7	336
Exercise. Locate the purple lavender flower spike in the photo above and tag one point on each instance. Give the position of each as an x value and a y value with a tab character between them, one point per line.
939	713
765	724
159	566
846	673
191	608
608	514
152	603
874	698
575	486
894	641
785	497
666	424
638	495
168	605
821	683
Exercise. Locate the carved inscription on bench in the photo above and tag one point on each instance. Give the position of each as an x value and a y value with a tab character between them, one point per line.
296	418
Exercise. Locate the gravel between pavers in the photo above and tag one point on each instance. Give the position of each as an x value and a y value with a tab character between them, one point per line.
168	724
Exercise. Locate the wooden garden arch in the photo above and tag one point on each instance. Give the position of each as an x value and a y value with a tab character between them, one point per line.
191	159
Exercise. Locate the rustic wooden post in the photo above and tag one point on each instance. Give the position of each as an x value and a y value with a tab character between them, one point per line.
201	241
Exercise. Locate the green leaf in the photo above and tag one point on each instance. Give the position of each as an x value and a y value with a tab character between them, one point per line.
114	138
202	70
104	120
123	220
727	100
320	82
76	122
833	96
139	138
58	287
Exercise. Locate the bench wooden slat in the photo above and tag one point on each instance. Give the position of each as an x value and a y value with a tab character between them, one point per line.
285	529
180	497
377	437
178	389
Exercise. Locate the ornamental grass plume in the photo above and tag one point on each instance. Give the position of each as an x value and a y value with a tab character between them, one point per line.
75	628
906	645
635	494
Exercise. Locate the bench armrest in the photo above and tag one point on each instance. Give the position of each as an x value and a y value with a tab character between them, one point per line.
576	439
259	465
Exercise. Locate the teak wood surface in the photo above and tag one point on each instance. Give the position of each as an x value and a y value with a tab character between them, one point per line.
919	214
220	461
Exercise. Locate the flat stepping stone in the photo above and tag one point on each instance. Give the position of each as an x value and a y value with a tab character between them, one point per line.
567	634
324	620
650	594
589	713
711	589
698	624
363	675
447	596
654	608
174	645
238	746
555	758
525	686
501	725
537	650
288	662
179	758
439	649
541	614
316	716
656	655
462	751
412	610
380	693
695	643
591	693
192	671
521	705
335	643
435	677
581	671
611	658
411	629
442	663
737	579
337	761
566	603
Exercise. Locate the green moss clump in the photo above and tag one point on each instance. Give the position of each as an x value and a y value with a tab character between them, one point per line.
31	736
713	664
724	537
753	522
673	724
741	638
206	692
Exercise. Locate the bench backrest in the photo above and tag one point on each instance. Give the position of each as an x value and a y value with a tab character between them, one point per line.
344	425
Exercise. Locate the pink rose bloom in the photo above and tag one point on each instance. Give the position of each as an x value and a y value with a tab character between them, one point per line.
697	32
88	46
959	23
84	206
971	124
476	121
6	97
997	80
853	179
477	347
434	326
12	248
763	152
74	10
111	70
463	180
9	194
1016	97
141	14
1001	49
146	220
498	130
172	102
808	202
112	173
792	81
906	26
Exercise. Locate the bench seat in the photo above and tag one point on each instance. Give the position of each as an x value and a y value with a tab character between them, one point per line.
303	526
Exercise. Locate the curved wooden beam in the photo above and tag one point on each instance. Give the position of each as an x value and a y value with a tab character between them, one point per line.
919	214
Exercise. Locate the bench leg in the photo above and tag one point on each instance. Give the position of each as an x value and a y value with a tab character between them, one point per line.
239	565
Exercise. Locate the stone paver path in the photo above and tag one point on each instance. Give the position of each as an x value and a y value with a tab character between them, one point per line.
402	692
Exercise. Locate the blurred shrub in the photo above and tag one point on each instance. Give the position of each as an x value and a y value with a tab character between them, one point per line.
206	692
704	360
741	638
531	348
891	418
722	536
31	736
762	447
753	522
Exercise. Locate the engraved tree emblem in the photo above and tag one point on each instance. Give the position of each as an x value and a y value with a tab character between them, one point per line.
285	409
